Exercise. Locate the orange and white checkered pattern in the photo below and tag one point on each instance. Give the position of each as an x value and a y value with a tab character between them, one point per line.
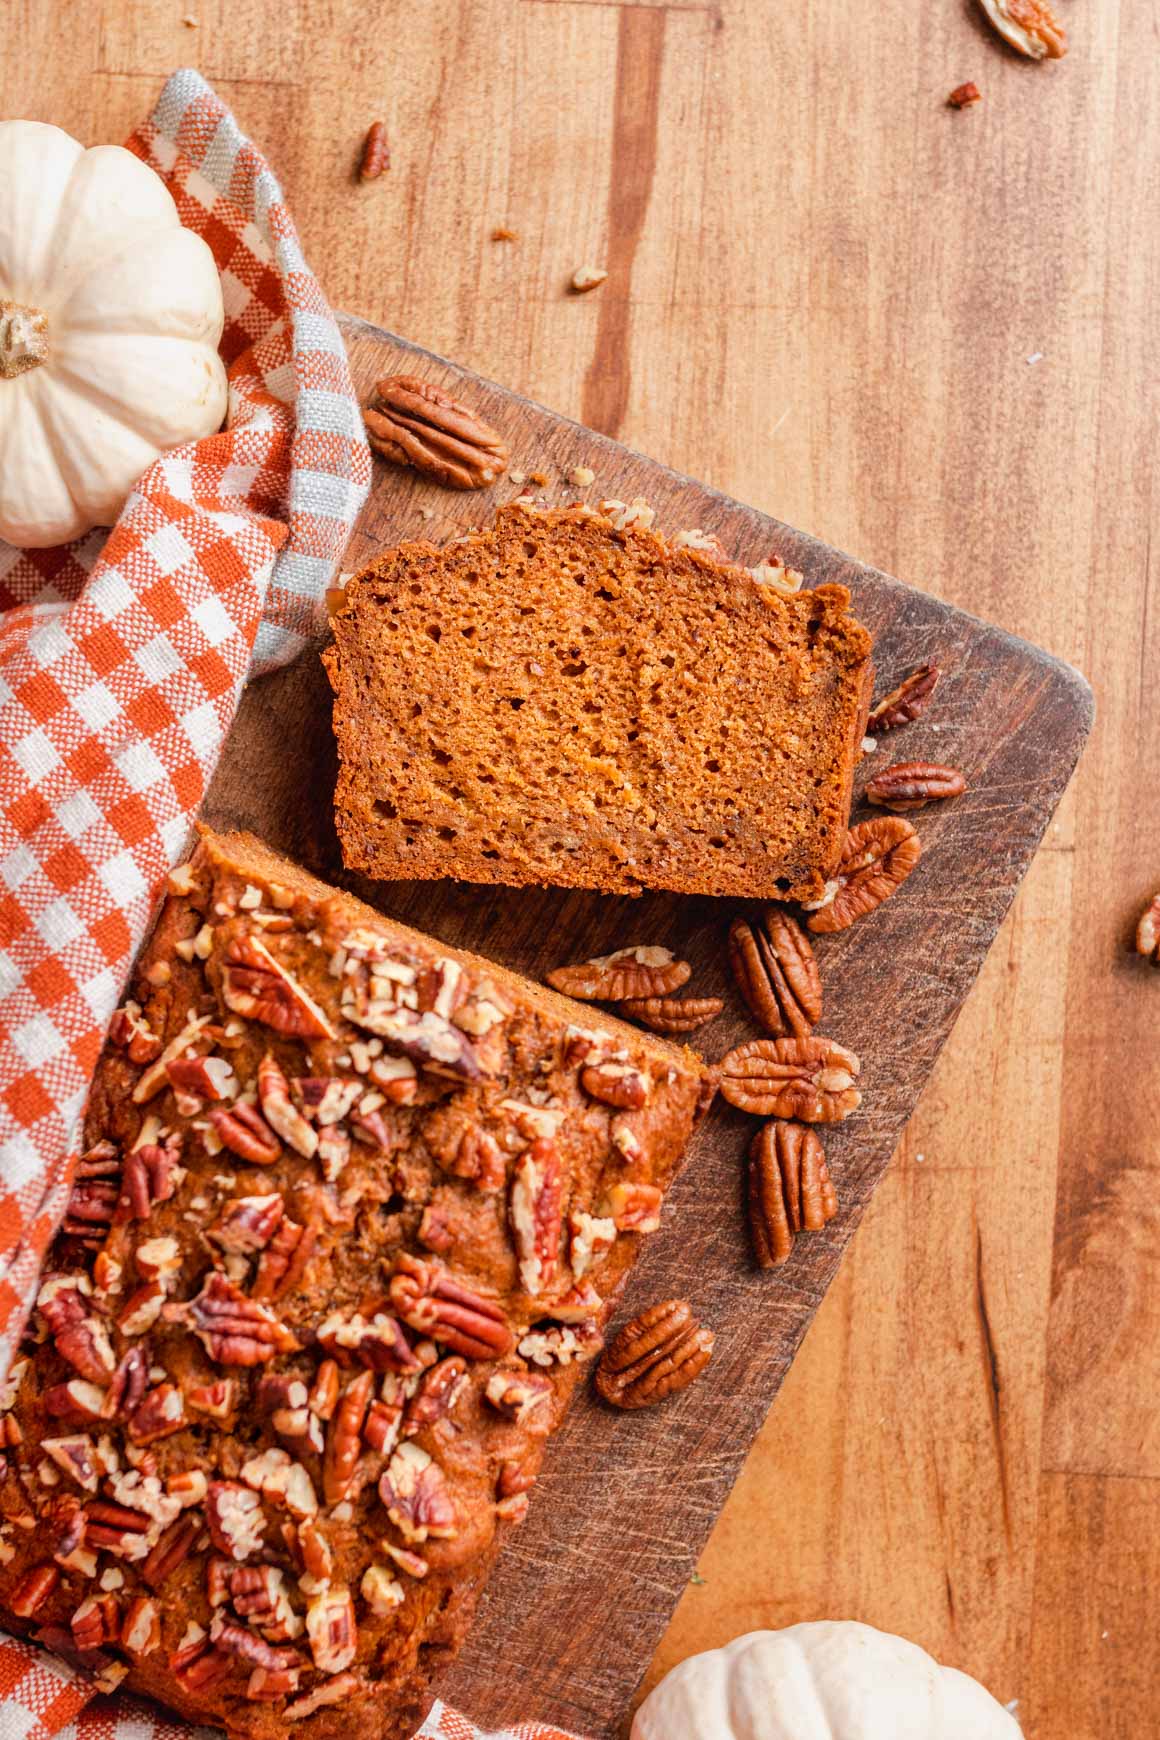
122	658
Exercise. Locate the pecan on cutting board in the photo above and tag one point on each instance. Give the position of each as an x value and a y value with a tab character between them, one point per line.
776	973
412	422
660	1352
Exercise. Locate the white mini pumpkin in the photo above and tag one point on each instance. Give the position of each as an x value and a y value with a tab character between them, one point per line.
110	317
833	1680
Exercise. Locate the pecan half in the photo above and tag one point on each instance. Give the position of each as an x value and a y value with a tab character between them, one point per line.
535	1210
789	1188
660	1352
283	1117
672	1014
256	985
811	1079
90	1208
877	858
428	1299
149	1175
616	1084
344	1437
776	973
376	153
439	1389
910	784
283	1263
233	1329
413	422
640	971
416	1498
247	1224
1029	26
522	1396
905	702
244	1131
1148	933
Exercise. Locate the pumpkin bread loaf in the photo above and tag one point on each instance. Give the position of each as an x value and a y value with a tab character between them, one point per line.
352	1214
568	698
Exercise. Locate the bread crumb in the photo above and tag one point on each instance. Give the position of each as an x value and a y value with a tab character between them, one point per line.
501	233
518	476
190	22
539	478
426	513
587	278
581	476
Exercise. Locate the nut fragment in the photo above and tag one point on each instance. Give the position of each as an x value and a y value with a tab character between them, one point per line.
877	858
233	1329
964	95
908	785
1148	933
416	1497
789	1188
776	973
811	1079
586	278
660	1352
535	1209
905	702
428	1299
376	153
415	423
672	1014
641	971
257	986
616	1084
1029	26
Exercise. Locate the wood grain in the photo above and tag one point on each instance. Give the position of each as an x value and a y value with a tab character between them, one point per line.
625	1504
825	303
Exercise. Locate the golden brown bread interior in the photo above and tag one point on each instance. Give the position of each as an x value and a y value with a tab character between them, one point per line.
556	700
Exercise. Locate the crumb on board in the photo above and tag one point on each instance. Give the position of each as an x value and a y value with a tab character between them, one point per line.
502	233
580	475
586	278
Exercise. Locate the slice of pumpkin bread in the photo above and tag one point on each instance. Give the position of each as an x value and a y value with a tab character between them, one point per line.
567	698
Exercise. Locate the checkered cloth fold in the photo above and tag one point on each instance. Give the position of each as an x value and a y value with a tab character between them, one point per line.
122	659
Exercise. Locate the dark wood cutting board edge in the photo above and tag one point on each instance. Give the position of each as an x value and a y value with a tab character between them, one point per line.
582	1592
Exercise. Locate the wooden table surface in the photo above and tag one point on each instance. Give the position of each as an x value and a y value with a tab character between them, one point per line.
931	338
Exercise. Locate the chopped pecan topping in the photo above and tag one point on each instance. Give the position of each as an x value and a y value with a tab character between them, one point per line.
76	1401
245	1645
268	1685
789	1188
141	1631
905	702
90	1208
776	973
635	1208
132	1034
377	1342
63	1522
216	1399
332	1691
233	1514
150	1174
323	1398
592	1236
283	1263
283	1117
535	1209
479	1159
244	1131
128	1384
429	1300
196	1665
522	1396
413	422
616	1084
116	1529
1029	26
142	1308
380	1590
427	1039
233	1329
416	1498
578	1305
562	1344
439	1389
512	1487
672	1014
247	1224
156	1076
630	973
810	1079
661	1351
309	1548
257	986
877	858
911	784
281	1480
376	153
1148	933
383	1424
332	1631
964	95
344	1438
172	1550
160	1412
414	1564
206	1078
97	1621
82	1341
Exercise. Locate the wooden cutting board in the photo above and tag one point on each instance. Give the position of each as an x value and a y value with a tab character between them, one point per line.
570	1619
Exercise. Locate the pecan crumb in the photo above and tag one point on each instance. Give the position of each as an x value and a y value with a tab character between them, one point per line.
586	278
964	95
580	475
502	233
376	153
1029	26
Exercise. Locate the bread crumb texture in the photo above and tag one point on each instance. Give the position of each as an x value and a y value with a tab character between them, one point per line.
558	701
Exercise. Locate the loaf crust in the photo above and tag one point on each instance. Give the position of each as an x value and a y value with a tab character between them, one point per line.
563	699
226	1417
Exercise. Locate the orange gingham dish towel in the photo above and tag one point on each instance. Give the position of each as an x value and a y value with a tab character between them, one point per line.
122	659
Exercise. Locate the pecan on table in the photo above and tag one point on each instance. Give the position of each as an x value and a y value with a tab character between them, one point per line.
1029	26
776	973
964	95
672	1014
905	702
376	153
644	970
790	1190
877	858
1148	933
415	423
811	1079
908	785
660	1352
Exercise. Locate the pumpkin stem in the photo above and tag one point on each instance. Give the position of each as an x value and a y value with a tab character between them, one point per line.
23	338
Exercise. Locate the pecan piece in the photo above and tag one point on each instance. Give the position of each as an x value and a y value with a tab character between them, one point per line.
76	1457
116	1529
562	1344
377	1342
908	785
132	1034
280	1113
247	1224
635	1208
283	1263
438	1391
233	1514
239	1641
479	1159
416	1498
512	1487
616	1084
789	1188
160	1412
233	1329
522	1396
207	1078
877	858
428	1299
141	1631
344	1438
376	153
535	1209
811	1079
905	702
630	973
91	1205
33	1590
267	1685
380	1590
964	95
244	1131
97	1621
1148	933
413	422
1029	26
591	1238
171	1550
332	1691
660	1352
672	1014
776	973
150	1175
257	986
